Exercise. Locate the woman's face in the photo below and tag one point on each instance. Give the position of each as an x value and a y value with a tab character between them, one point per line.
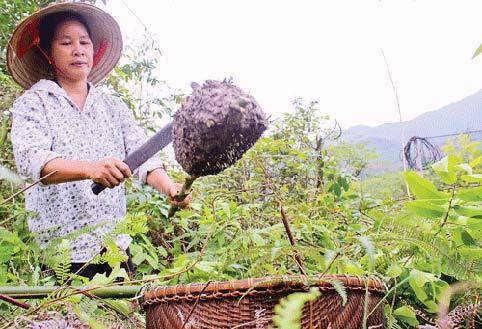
72	52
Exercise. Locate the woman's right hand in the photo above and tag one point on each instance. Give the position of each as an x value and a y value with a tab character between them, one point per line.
109	172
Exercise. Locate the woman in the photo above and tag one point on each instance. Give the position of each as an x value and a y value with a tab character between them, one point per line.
65	128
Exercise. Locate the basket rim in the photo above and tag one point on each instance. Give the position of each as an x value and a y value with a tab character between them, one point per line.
267	284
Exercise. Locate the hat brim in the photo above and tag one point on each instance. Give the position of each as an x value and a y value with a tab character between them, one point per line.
29	67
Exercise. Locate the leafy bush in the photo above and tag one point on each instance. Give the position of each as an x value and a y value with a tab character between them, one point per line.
342	224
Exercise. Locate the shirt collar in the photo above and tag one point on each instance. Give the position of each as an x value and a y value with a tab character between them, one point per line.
52	87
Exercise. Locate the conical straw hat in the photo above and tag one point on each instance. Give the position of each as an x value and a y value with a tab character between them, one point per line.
28	65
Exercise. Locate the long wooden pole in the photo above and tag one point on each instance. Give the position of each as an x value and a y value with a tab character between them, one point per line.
292	240
35	292
402	126
15	302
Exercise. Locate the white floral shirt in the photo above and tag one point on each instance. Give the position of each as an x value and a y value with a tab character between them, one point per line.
46	124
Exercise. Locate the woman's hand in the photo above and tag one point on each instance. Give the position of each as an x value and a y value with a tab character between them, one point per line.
159	179
109	172
174	190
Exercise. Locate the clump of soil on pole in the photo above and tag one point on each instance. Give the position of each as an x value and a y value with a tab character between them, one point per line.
216	124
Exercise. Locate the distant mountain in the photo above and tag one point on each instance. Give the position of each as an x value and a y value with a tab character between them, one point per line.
462	116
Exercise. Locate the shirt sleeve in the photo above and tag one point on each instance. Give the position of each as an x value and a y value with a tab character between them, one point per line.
134	137
31	136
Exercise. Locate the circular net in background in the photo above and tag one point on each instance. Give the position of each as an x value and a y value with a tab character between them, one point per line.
420	152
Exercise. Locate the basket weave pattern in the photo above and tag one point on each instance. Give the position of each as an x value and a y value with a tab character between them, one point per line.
249	303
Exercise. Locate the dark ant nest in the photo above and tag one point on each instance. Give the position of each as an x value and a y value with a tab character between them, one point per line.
215	126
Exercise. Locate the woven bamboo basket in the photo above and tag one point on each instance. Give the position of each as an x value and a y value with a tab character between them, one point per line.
249	303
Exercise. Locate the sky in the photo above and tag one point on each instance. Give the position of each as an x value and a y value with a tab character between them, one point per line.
331	52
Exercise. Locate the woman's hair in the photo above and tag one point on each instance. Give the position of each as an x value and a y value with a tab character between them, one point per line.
49	24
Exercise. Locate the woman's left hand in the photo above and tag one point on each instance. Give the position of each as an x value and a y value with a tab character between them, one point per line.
174	190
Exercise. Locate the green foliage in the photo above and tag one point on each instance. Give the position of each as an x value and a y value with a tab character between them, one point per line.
339	288
342	222
407	315
386	187
288	311
134	81
59	260
234	229
20	257
421	282
84	310
422	188
436	236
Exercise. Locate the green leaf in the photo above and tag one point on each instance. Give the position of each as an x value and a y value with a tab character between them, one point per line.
289	310
475	162
118	272
120	306
406	315
394	270
418	290
8	236
336	189
87	318
162	251
339	288
257	239
432	307
474	178
426	209
206	266
478	51
152	261
6	253
419	278
139	258
470	194
423	188
344	183
226	209
462	237
471	254
351	268
474	225
185	213
370	251
445	169
469	211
